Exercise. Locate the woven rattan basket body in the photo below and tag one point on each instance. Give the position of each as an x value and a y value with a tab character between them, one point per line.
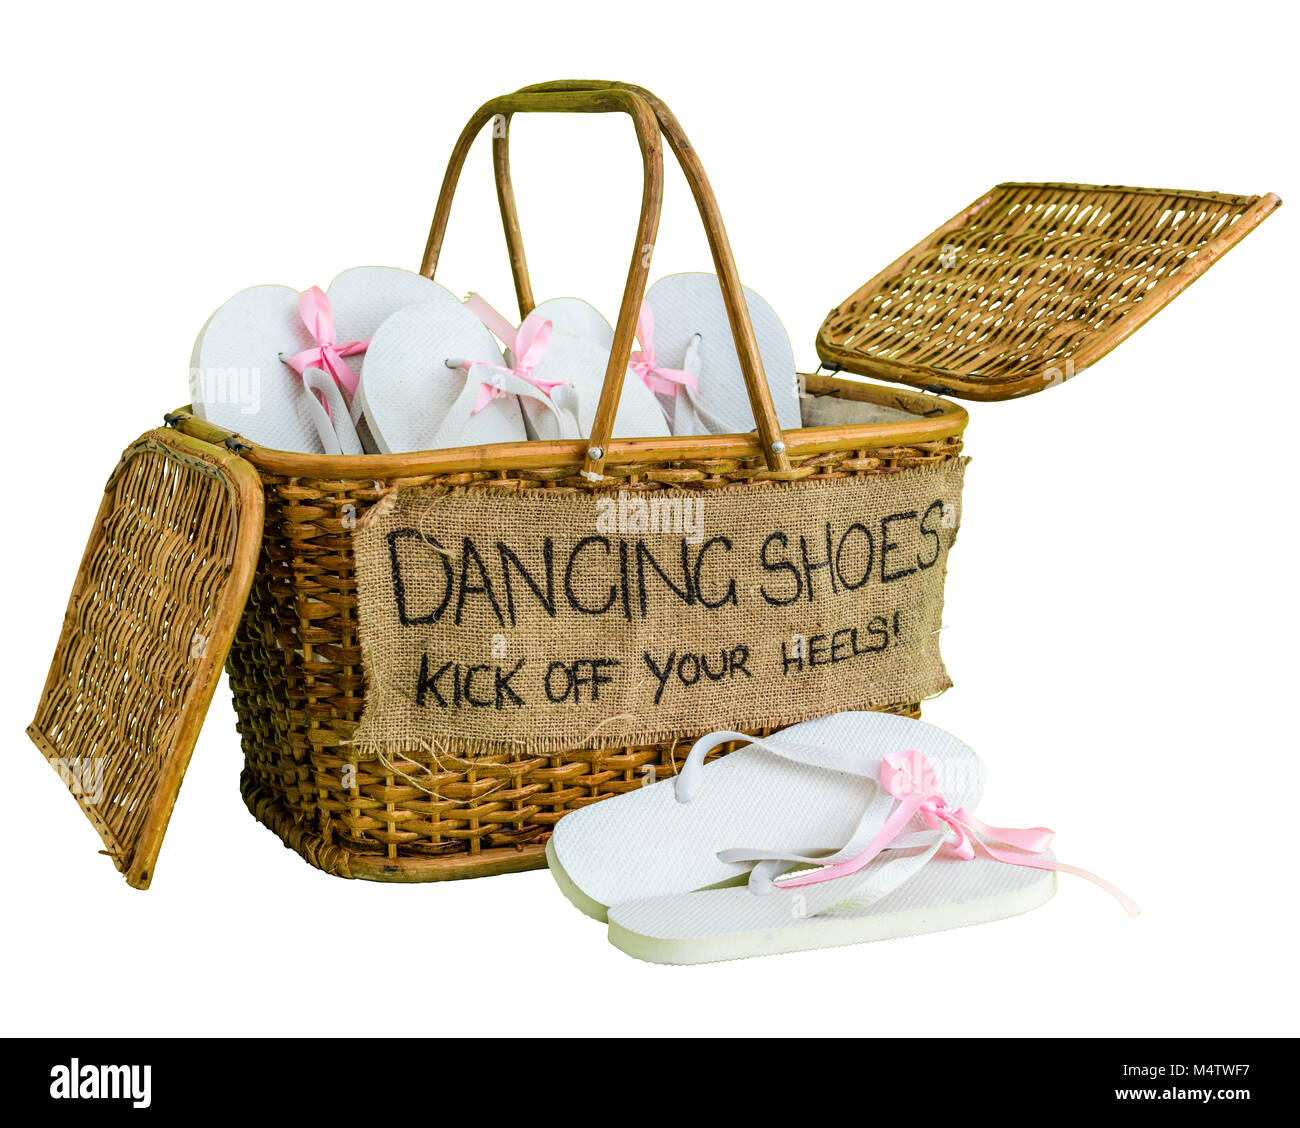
296	667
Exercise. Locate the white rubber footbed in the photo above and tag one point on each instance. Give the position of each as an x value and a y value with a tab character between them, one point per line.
687	304
943	892
242	341
579	319
408	391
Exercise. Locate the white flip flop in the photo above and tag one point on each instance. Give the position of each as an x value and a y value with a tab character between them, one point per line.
931	865
239	382
689	313
364	298
576	366
414	400
812	787
248	370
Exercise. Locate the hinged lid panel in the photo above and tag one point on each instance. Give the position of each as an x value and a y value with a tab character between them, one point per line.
1031	284
151	618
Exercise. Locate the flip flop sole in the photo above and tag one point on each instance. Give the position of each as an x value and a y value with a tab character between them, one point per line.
591	907
576	896
238	380
932	901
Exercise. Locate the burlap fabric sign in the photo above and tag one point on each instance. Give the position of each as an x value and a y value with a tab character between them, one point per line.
541	621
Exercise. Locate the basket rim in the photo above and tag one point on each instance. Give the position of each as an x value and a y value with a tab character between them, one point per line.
936	420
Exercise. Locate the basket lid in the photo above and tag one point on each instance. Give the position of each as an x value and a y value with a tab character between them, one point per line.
1031	284
151	618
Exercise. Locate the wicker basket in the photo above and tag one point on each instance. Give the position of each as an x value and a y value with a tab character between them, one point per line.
295	666
295	662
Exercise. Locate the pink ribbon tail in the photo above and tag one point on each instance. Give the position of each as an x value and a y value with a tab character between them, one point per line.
494	321
910	779
1129	905
663	381
1034	840
530	346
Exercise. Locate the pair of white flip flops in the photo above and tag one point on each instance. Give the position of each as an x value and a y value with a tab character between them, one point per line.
836	831
390	361
285	368
687	364
362	368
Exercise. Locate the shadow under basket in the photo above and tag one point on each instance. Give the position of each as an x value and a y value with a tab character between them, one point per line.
209	549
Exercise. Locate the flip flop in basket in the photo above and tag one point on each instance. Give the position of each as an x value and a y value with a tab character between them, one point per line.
283	368
577	362
686	327
930	865
434	379
809	787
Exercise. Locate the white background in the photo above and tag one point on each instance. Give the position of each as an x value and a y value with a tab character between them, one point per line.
1121	610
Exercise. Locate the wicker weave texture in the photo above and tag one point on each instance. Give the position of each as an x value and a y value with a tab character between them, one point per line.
1031	284
160	584
296	672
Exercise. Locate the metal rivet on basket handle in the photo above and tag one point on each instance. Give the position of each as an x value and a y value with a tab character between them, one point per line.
649	116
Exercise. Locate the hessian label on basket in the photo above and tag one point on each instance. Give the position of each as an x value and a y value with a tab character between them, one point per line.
543	620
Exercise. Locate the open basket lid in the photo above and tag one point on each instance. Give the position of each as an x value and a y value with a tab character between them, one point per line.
152	615
1031	284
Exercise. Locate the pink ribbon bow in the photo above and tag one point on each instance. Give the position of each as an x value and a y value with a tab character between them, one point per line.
909	778
528	344
664	381
316	313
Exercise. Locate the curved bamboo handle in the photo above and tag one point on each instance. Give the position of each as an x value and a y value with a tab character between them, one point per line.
499	110
649	116
724	263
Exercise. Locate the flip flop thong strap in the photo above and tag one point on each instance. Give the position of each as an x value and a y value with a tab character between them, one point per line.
336	429
481	377
849	761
